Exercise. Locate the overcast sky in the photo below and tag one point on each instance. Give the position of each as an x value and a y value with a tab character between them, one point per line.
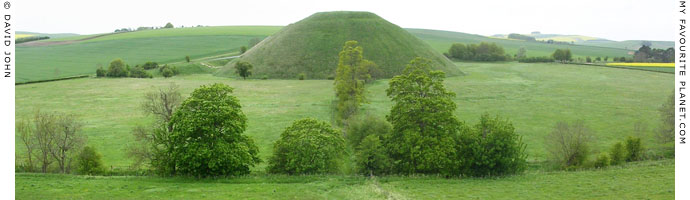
611	19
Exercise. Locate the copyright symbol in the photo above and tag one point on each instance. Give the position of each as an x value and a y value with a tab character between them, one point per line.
7	5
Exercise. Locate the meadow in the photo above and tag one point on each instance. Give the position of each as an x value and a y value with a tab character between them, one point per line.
533	96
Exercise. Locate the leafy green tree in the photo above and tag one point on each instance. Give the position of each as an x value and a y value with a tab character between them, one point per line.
243	49
371	156
301	76
603	160
117	69
350	76
562	55
360	127
424	126
167	73
169	25
208	135
617	154
491	148
187	58
308	146
244	69
89	162
633	146
606	59
100	72
588	59
459	51
665	134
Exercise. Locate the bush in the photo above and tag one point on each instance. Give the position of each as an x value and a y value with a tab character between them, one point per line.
244	69
542	59
371	156
490	148
617	154
603	160
307	146
208	135
569	144
633	146
361	127
89	162
117	69
301	76
167	73
100	72
243	49
139	72
187	58
264	77
150	65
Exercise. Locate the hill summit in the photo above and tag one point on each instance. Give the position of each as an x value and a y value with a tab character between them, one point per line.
311	46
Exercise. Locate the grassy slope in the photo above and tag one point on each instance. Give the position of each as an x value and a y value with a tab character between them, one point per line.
441	41
51	35
642	180
311	46
533	96
163	46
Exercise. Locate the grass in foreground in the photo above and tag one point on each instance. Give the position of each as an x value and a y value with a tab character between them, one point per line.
640	180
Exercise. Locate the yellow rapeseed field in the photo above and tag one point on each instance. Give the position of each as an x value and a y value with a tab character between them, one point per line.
642	64
23	35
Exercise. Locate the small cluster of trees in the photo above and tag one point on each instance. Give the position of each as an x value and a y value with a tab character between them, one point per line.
647	54
30	38
562	55
244	69
521	37
55	140
168	71
477	52
118	68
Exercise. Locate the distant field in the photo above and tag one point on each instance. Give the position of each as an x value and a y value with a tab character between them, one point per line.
163	46
22	35
533	96
568	38
191	31
442	40
640	180
642	64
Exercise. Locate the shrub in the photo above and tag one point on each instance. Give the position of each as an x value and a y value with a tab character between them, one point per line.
243	49
139	72
633	146
186	58
542	59
117	69
89	162
167	72
371	156
244	69
150	65
361	127
603	160
307	146
208	135
490	148
568	144
617	154
301	76
264	77
100	72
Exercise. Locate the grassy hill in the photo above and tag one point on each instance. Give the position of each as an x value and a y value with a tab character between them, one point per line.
51	35
311	46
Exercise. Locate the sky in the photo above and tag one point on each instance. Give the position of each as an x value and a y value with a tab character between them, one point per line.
610	19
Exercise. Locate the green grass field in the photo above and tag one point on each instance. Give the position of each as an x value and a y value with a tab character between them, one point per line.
640	180
533	96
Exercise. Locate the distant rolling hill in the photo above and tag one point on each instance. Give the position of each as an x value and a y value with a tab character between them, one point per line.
51	35
595	41
82	54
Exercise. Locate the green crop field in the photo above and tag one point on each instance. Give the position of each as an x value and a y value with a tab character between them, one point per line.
640	180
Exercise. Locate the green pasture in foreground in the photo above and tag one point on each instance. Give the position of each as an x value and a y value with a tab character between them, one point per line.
533	96
640	180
